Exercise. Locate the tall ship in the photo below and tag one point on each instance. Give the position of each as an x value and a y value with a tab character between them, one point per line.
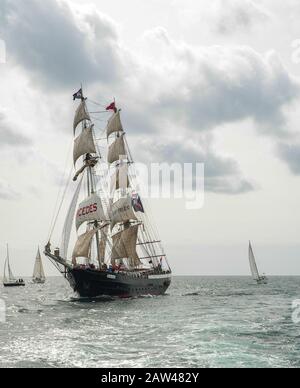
260	279
8	279
38	276
116	250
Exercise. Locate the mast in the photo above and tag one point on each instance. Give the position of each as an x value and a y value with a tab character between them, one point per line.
92	191
124	211
84	147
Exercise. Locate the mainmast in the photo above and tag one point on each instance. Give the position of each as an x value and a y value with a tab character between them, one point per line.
96	224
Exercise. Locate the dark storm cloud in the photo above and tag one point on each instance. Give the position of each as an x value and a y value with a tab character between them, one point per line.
57	48
290	153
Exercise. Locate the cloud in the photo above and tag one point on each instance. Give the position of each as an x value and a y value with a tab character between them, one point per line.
196	87
59	46
232	15
7	193
204	87
166	87
223	17
290	153
222	174
9	137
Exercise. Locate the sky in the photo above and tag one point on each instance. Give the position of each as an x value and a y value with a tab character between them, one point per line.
215	82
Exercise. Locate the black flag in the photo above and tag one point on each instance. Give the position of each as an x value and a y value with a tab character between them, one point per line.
78	95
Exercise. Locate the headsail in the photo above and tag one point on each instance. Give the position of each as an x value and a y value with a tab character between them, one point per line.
253	266
38	272
10	277
68	223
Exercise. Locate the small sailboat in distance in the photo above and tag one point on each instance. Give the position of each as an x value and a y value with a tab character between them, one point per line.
38	272
8	279
254	270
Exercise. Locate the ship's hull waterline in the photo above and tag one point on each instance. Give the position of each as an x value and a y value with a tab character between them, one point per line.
90	283
14	284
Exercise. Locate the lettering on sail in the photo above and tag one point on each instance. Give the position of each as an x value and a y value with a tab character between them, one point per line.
90	210
84	211
121	210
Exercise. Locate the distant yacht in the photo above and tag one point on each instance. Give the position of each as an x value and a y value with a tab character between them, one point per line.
254	270
9	280
38	272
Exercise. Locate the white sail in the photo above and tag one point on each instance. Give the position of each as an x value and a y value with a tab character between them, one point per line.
117	150
69	222
253	266
8	275
103	243
81	115
83	245
120	180
5	278
122	211
124	246
84	144
90	210
114	124
38	272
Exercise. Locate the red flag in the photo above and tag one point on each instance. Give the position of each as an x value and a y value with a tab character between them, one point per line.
112	106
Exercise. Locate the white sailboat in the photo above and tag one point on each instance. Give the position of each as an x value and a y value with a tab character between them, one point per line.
38	272
8	279
254	270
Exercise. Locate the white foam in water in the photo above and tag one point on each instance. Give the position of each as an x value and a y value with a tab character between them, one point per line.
201	322
2	311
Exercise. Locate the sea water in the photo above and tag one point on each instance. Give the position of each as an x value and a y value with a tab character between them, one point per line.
201	322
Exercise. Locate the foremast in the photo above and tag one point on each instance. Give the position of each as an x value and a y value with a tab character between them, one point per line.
91	210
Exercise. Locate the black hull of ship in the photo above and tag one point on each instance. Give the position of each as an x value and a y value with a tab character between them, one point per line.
14	284
91	284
